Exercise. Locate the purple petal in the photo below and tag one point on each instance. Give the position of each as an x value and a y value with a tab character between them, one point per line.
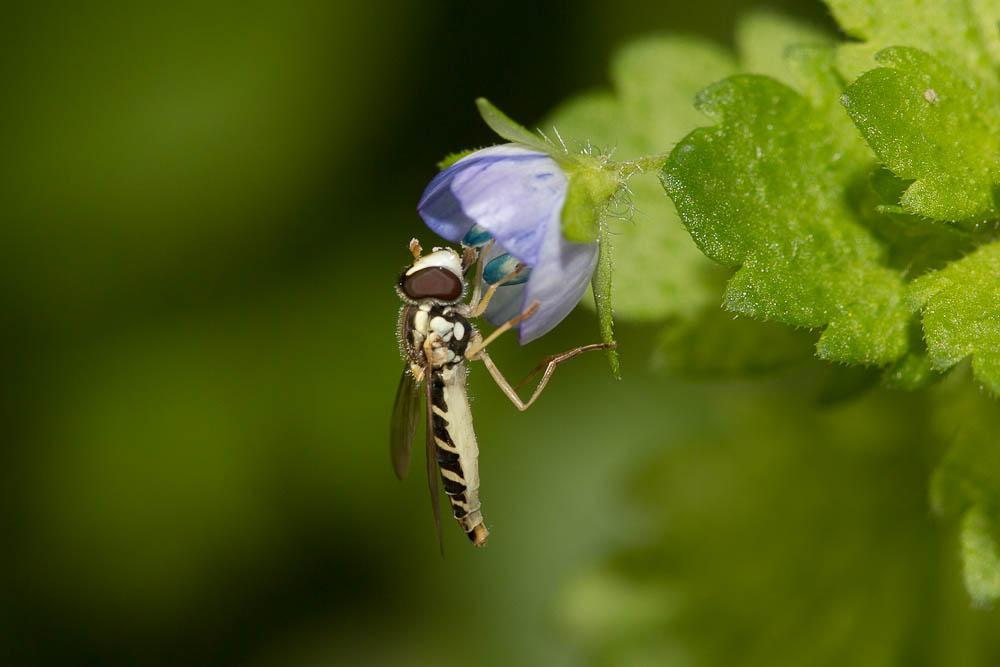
558	281
507	303
511	191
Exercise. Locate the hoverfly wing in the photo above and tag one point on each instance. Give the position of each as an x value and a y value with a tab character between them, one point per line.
432	472
405	413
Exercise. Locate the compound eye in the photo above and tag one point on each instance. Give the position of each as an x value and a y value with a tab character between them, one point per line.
433	282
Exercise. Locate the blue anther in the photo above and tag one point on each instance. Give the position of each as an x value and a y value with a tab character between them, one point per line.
500	267
476	237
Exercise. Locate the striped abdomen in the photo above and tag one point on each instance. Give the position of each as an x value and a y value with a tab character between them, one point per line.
457	451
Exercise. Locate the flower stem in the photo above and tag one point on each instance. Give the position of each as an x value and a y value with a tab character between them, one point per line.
641	165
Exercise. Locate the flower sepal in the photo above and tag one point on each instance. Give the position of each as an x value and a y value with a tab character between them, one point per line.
592	186
509	129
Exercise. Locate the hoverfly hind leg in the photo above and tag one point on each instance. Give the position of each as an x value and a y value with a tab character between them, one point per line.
550	364
556	359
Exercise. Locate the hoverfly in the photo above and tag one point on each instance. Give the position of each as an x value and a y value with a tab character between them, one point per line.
437	338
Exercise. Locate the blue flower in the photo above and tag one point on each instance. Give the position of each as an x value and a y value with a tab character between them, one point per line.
514	195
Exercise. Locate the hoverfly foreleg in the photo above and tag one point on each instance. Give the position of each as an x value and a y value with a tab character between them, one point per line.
479	306
475	349
549	364
477	285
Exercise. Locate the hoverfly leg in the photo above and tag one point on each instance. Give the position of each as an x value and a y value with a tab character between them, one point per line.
477	285
480	307
418	372
473	351
556	359
549	364
469	257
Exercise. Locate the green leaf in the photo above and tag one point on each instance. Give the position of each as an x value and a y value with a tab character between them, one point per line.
962	33
914	370
658	270
966	483
653	78
980	557
969	473
764	191
780	534
509	129
717	344
601	285
915	245
845	383
960	307
930	125
801	57
765	40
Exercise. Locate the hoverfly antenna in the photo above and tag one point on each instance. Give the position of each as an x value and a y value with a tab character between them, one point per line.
415	248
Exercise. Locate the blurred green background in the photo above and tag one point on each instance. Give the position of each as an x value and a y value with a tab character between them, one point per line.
205	206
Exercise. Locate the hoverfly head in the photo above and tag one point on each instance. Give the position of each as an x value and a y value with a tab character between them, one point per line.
436	276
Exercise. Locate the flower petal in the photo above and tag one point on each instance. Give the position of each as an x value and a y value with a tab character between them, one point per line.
558	281
507	303
509	190
441	211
